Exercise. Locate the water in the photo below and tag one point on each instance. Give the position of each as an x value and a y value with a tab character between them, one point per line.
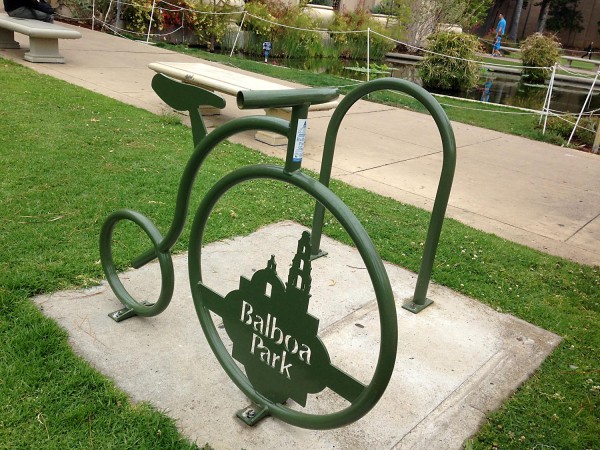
492	87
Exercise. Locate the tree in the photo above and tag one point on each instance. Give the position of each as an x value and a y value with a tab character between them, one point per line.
564	15
514	28
498	7
543	17
559	15
427	15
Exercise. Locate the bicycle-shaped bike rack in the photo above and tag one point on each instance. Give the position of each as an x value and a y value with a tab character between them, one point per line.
276	334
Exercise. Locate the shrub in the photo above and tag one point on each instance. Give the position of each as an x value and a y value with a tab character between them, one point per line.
136	16
265	29
564	129
354	45
321	2
390	7
293	40
209	28
449	74
296	42
540	52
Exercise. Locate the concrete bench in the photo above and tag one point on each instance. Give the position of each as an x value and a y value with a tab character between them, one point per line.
570	60
216	79
43	37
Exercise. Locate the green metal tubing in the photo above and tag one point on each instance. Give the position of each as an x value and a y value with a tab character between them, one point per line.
272	124
285	98
385	300
446	177
143	308
186	97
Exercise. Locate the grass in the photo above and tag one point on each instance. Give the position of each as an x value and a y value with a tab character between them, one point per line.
69	157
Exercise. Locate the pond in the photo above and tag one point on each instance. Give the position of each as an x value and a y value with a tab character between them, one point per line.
492	87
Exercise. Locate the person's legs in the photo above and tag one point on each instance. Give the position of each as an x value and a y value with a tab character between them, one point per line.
497	46
25	12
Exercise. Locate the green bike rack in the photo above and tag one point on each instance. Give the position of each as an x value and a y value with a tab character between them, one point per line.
274	337
419	300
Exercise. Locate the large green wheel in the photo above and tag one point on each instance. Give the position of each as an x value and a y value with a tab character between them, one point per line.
361	397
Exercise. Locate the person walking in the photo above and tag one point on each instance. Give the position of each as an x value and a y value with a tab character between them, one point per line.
500	29
588	51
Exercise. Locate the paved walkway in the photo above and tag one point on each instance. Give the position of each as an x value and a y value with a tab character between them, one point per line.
536	194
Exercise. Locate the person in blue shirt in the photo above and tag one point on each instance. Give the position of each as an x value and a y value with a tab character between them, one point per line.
500	29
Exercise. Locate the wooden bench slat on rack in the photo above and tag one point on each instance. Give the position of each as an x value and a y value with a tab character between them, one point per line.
216	79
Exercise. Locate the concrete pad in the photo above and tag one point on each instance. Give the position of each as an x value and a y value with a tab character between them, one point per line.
457	360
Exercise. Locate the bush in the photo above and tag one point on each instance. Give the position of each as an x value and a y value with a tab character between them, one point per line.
289	41
450	74
195	16
564	129
354	45
540	52
321	2
136	16
209	28
390	8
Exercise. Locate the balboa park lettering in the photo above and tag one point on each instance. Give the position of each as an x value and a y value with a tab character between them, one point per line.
267	328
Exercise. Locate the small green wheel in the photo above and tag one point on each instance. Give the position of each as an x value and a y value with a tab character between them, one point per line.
270	385
141	308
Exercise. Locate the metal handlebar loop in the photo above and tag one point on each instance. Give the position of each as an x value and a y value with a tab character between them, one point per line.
285	98
419	300
362	398
134	307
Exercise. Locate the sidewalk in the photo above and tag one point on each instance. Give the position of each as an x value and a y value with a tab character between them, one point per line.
539	195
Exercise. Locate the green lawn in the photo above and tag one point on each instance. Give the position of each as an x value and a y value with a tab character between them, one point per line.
69	157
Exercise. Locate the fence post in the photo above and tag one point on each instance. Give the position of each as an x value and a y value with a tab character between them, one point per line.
150	24
238	34
368	54
583	107
548	98
597	138
106	15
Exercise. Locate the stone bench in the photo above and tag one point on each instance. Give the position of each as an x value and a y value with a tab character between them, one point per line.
216	79
43	38
570	60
